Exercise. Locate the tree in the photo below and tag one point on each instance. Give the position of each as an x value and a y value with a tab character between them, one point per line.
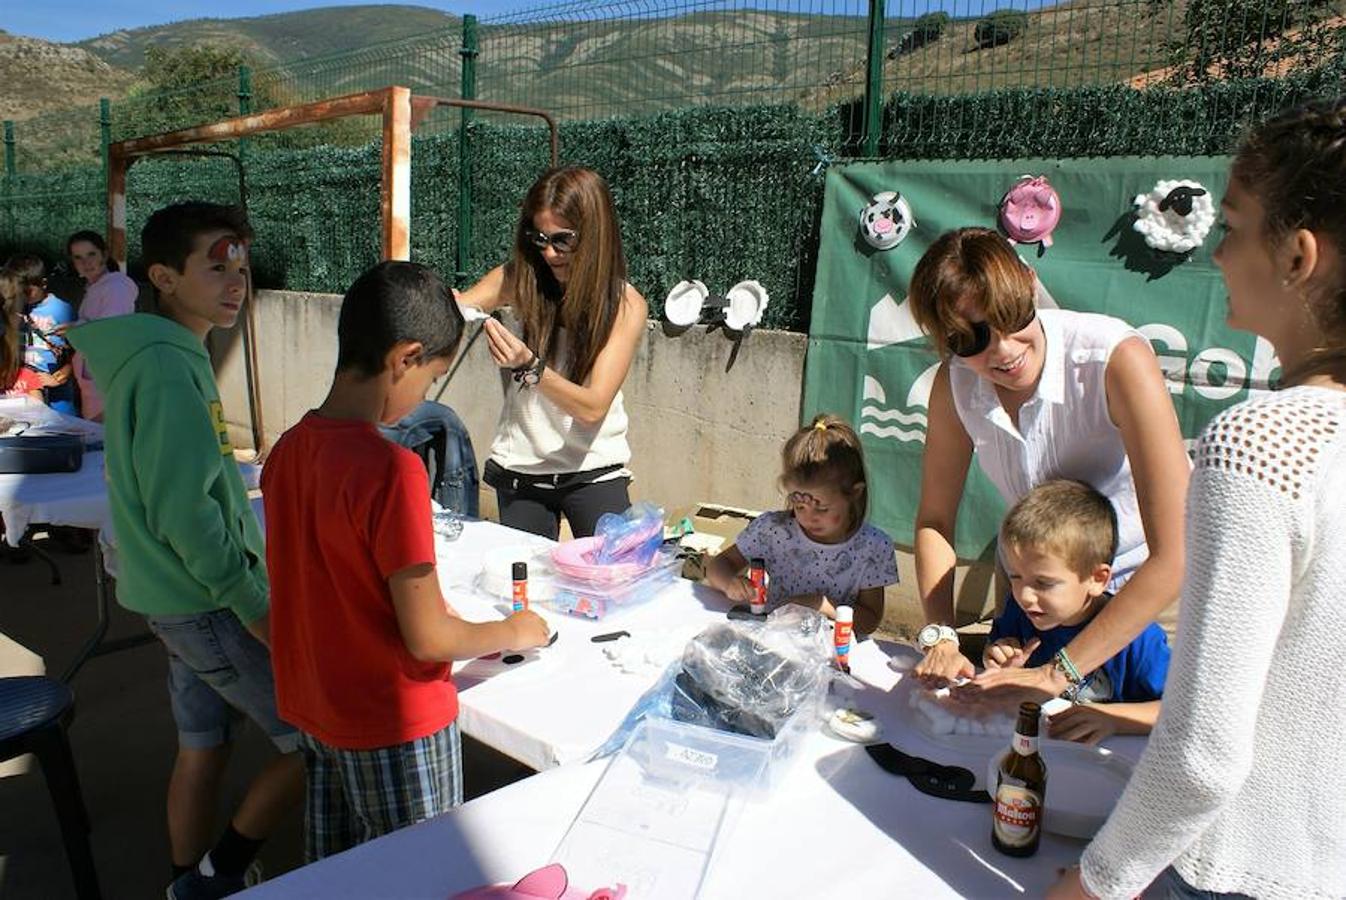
1248	38
924	31
1000	27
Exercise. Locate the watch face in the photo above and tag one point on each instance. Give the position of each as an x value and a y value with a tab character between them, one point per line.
928	636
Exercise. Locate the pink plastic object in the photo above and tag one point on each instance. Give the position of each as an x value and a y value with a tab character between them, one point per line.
549	883
1030	211
578	559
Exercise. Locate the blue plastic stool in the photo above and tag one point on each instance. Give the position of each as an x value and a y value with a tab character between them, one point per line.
34	713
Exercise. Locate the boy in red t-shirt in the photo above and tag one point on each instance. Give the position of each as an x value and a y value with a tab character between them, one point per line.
361	636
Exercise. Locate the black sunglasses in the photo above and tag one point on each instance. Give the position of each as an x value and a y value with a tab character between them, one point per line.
563	241
967	345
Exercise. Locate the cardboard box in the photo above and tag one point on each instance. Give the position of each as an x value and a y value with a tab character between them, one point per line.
714	528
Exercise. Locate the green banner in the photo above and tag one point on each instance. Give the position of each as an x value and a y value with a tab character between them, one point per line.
868	361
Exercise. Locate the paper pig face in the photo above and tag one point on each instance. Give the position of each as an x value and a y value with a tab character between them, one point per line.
886	221
548	883
1030	211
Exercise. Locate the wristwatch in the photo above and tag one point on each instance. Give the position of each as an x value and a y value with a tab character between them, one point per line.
530	374
935	633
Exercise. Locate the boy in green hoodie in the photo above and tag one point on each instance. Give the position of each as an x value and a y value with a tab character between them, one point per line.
190	549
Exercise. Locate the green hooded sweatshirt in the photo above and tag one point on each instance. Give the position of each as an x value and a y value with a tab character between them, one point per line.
187	540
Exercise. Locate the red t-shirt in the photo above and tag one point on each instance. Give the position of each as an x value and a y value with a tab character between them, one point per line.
25	382
345	509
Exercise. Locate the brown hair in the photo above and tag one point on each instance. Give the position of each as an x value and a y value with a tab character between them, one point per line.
827	452
29	270
973	263
587	306
11	314
1068	519
1295	164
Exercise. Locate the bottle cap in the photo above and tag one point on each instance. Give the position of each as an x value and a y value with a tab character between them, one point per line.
521	571
845	614
757	562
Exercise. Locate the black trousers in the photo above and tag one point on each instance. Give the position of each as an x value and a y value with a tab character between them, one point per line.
536	506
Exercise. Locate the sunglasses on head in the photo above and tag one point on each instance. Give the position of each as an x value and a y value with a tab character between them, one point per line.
562	241
967	345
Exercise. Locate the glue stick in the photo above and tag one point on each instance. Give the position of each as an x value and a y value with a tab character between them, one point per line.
520	586
841	634
757	575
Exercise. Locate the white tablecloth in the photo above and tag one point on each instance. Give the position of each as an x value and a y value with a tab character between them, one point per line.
562	706
76	499
835	826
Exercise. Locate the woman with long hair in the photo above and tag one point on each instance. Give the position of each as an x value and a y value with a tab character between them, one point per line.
560	447
1239	791
15	380
108	293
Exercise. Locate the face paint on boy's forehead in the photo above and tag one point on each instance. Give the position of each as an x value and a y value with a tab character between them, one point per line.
228	249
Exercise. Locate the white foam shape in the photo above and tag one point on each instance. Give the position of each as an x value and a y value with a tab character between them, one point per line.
1168	230
873	390
683	304
891	323
747	301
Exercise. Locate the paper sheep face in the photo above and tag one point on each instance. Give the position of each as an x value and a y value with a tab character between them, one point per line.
886	221
1030	211
1175	216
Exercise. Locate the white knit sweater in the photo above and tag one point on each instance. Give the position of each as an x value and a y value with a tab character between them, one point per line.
1243	784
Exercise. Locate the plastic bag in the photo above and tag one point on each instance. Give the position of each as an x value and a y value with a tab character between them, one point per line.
752	677
632	537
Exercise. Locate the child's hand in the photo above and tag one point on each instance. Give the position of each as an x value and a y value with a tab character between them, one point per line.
740	590
1008	653
1086	723
529	629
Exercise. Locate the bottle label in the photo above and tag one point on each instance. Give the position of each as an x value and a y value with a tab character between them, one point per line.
520	596
1018	814
759	580
1024	745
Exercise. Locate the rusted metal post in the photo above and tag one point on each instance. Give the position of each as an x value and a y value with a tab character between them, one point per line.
396	195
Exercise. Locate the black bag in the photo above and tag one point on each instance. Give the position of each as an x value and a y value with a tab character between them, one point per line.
38	454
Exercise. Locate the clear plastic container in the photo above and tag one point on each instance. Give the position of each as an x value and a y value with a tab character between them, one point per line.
595	600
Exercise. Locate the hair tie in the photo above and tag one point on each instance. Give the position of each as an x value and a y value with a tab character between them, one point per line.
820	425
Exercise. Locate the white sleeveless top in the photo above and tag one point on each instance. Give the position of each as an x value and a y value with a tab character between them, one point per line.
1064	429
536	437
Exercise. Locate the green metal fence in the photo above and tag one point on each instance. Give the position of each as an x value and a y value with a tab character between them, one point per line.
782	85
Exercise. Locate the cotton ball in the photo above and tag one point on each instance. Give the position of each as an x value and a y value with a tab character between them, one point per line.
1170	229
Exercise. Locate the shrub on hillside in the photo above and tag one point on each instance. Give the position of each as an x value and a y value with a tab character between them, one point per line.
1000	27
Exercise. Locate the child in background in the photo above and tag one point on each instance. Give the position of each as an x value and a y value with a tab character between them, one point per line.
363	638
189	545
45	315
1057	545
15	379
819	551
109	293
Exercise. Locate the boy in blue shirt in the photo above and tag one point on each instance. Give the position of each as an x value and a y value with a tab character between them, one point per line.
1057	545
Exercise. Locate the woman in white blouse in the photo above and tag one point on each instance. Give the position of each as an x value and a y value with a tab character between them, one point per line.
1038	394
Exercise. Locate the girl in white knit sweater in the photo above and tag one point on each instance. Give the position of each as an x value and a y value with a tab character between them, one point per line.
1240	790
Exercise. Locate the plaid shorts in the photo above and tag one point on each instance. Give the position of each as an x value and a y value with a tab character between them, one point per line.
357	795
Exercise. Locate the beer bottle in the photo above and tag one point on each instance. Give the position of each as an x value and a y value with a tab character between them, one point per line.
1020	789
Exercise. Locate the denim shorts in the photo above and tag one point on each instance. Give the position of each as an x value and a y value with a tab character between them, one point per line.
218	673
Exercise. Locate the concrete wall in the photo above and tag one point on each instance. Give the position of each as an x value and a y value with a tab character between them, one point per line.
708	415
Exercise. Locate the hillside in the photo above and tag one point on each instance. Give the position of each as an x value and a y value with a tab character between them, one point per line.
285	37
39	76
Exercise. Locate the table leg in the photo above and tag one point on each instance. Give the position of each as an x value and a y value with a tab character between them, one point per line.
95	646
26	542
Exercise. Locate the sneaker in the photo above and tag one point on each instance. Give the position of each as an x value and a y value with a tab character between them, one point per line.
195	886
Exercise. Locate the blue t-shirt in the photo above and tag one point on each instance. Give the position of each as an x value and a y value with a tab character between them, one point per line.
1135	675
41	354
